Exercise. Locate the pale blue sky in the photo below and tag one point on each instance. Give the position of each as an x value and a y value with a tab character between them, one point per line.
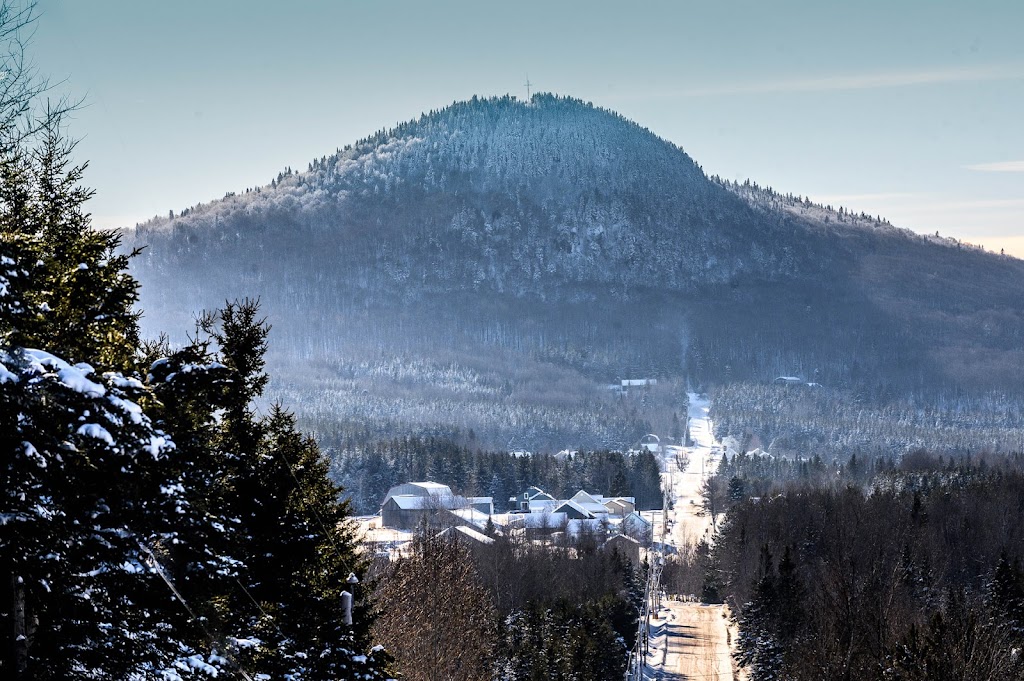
910	109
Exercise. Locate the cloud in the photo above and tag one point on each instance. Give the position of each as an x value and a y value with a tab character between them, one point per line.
998	167
861	81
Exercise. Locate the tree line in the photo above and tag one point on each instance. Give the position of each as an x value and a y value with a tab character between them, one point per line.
909	571
833	424
369	471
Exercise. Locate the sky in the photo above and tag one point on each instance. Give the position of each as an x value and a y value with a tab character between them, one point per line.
907	109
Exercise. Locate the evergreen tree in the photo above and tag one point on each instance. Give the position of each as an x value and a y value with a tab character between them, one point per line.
269	560
80	299
85	491
759	648
1006	592
149	525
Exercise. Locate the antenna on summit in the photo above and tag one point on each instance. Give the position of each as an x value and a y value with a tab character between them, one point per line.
528	84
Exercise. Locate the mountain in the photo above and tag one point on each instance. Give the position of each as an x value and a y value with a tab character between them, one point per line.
487	269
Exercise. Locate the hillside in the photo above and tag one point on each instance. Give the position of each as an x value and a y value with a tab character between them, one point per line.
487	269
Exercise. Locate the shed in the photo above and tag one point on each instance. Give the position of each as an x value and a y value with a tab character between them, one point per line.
627	546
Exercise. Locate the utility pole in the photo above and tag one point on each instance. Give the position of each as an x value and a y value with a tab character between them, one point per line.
528	84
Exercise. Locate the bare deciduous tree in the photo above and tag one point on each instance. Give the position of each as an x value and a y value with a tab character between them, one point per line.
434	615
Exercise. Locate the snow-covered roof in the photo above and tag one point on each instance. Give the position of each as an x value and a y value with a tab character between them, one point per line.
471	515
508	520
419	489
431	485
469	533
535	520
617	504
543	505
588	502
409	502
579	508
635	517
622	538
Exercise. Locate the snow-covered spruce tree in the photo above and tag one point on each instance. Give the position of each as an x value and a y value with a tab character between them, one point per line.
75	292
268	579
81	465
298	564
104	520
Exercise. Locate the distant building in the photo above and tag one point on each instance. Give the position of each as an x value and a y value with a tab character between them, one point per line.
620	506
470	517
484	505
533	500
627	546
573	511
409	504
406	512
467	534
636	526
419	489
639	382
536	500
592	503
787	380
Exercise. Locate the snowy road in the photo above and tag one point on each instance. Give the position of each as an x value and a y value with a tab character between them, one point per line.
697	641
690	640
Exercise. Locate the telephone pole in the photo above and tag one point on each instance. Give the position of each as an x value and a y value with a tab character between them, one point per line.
528	84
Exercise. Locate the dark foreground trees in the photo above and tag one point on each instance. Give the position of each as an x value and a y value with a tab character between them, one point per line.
152	524
435	616
917	578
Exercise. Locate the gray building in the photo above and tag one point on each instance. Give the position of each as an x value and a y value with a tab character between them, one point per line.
407	505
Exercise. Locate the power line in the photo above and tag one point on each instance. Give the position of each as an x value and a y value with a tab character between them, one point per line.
195	618
316	514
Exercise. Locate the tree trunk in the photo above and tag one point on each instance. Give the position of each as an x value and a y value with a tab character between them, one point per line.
20	630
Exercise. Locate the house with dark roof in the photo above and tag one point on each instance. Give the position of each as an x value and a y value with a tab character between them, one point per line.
533	500
573	510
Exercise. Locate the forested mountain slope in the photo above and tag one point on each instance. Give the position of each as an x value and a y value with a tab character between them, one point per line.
490	266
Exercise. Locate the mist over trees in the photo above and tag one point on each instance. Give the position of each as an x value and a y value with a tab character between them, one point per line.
804	422
490	266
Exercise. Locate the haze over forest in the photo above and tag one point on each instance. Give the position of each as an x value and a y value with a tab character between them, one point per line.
493	266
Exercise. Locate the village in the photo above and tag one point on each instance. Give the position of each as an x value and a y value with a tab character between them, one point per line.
677	638
533	515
